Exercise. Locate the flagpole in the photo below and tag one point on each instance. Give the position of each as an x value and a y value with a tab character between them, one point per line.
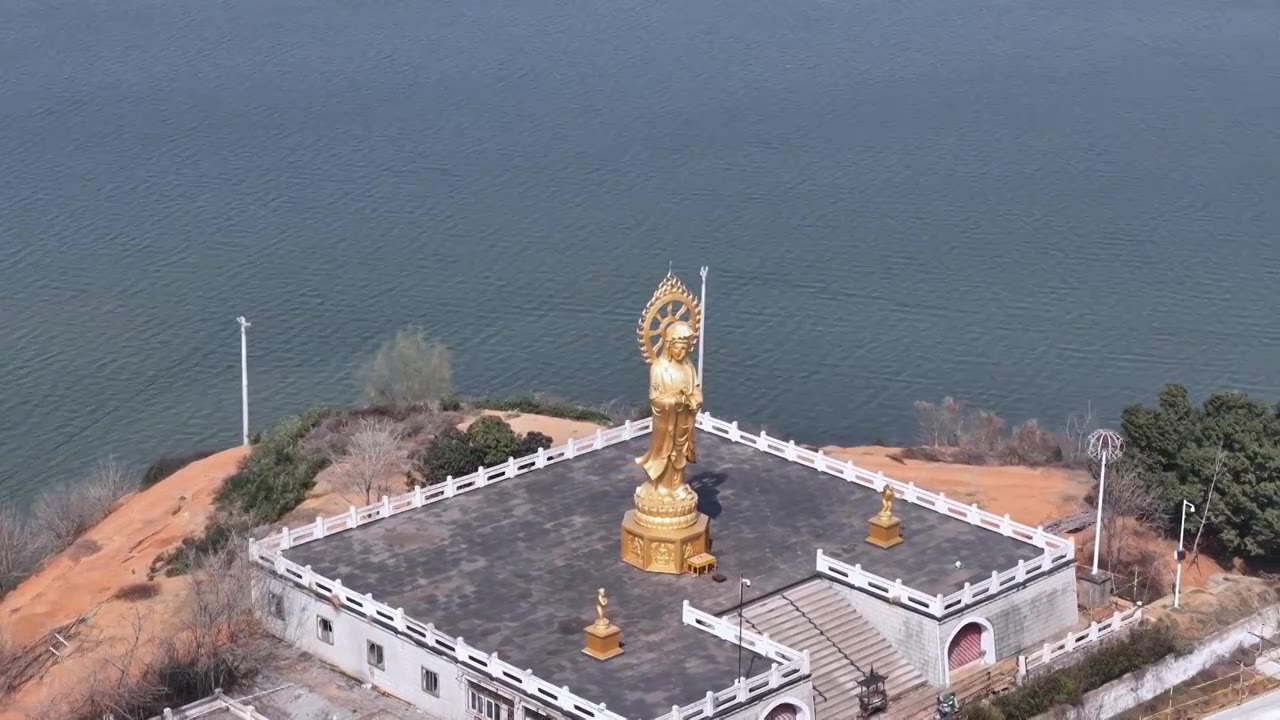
702	325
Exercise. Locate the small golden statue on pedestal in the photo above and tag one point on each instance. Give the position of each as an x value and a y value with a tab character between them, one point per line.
665	529
884	530
603	638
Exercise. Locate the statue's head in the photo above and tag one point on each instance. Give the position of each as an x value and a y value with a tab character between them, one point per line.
679	337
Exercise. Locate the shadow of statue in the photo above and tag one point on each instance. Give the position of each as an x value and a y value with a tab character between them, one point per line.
707	486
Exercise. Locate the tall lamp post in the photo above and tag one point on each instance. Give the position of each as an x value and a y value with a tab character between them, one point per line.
743	584
244	379
1104	445
702	326
1181	554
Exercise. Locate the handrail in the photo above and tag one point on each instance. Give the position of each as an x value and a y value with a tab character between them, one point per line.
451	487
1074	640
426	635
1056	549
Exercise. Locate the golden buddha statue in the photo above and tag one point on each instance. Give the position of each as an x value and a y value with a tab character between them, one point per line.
667	332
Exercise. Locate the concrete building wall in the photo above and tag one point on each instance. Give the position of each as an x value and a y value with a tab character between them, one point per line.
913	635
1044	608
403	661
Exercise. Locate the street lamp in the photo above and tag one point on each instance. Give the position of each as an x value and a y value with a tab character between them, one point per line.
244	378
1180	554
1104	445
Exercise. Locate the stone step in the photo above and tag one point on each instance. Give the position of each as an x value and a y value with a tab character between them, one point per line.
816	618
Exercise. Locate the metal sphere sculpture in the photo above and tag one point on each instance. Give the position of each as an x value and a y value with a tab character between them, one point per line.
1105	443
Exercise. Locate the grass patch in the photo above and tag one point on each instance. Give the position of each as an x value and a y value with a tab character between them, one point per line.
539	404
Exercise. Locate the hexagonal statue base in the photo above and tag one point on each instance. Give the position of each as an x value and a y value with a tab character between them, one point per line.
662	550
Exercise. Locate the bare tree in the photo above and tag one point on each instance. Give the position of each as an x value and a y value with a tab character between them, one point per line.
1129	503
930	430
1076	436
373	461
18	550
62	514
409	369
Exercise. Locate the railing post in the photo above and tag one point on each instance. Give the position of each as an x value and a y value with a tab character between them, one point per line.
480	481
450	487
284	538
734	433
741	687
351	515
1022	572
319	527
568	449
775	675
1006	527
761	440
709	705
511	467
791	449
995	580
386	506
417	496
541	462
168	714
626	430
599	439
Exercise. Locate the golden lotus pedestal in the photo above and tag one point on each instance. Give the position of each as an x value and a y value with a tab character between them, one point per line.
662	550
603	643
884	532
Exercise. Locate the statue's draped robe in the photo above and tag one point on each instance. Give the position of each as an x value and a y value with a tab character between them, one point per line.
671	442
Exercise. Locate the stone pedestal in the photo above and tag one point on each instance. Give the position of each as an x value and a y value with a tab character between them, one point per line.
884	532
662	550
603	643
1093	590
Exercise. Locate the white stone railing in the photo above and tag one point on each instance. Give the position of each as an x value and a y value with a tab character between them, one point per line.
209	705
426	635
1080	638
483	477
758	643
1056	549
789	665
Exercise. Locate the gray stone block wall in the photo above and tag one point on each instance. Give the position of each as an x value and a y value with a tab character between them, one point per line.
1021	619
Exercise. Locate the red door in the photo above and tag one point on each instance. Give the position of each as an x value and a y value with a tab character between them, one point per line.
966	646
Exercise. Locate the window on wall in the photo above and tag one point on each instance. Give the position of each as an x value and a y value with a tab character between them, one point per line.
324	630
275	604
482	703
430	682
376	658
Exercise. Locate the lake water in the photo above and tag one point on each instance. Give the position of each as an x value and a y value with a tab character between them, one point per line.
1030	205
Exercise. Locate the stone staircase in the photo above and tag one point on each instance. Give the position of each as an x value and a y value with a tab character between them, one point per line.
841	644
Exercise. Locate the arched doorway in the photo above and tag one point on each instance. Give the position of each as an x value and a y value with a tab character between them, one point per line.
971	642
785	711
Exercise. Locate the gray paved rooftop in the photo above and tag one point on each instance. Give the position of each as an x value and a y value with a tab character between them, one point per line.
513	568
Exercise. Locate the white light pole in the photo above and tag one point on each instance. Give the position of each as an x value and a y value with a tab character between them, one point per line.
1104	445
1177	577
702	325
743	584
244	377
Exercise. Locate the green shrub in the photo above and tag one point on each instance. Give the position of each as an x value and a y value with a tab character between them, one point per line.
489	441
170	464
278	473
449	454
1142	646
537	404
493	440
